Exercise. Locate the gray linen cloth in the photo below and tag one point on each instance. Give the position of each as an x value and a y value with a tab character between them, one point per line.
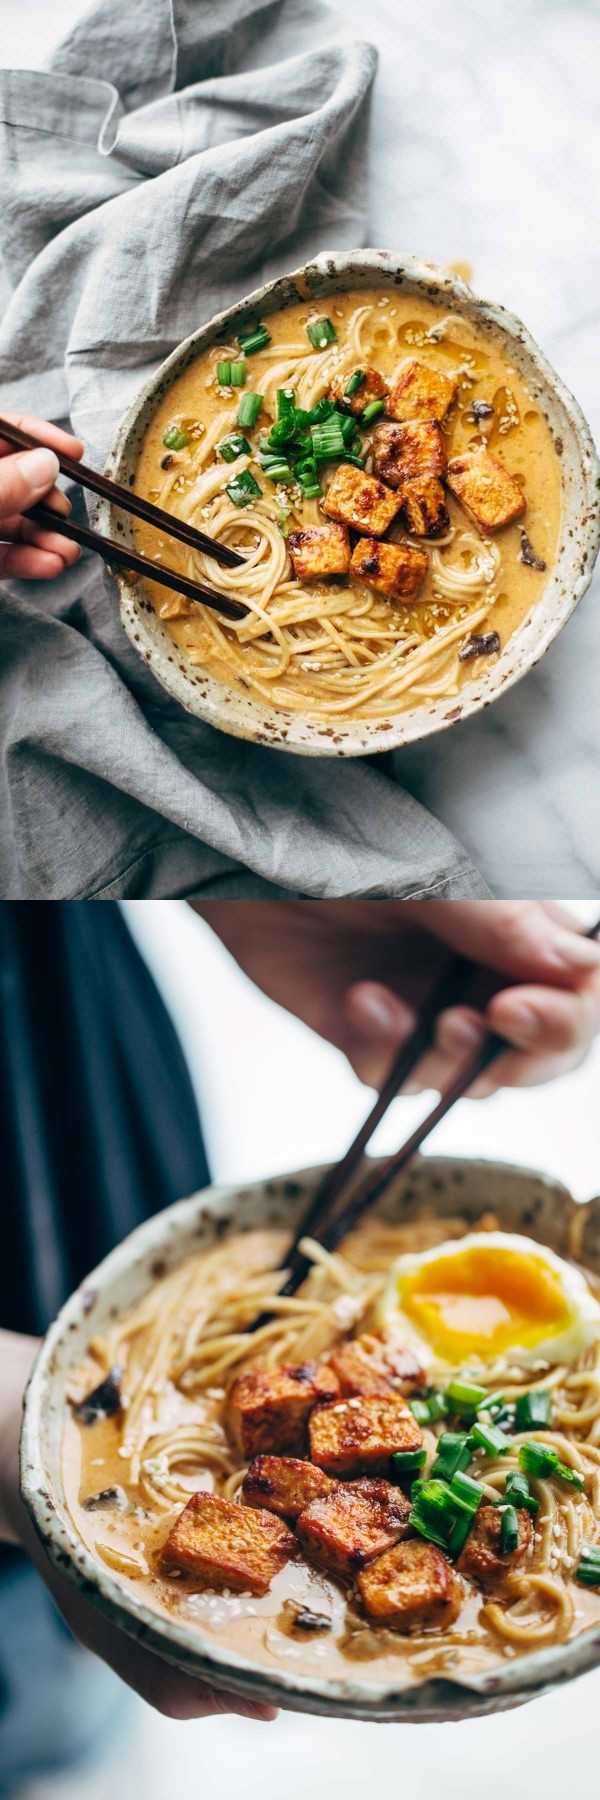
174	154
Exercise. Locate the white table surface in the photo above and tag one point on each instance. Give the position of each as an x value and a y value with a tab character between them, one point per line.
486	149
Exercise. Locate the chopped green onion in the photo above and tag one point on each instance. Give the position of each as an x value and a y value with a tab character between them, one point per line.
509	1531
174	439
249	408
420	1411
427	1530
283	517
489	1438
323	410
356	381
238	374
321	334
516	1492
588	1567
277	471
286	404
253	339
534	1410
466	1490
465	1396
459	1534
224	374
327	440
312	490
437	1406
243	488
453	1453
372	411
538	1459
408	1462
233	446
571	1476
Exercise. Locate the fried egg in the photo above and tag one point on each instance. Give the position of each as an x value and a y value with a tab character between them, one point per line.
487	1296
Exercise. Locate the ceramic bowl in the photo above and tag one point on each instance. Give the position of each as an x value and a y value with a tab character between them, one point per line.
523	1200
238	713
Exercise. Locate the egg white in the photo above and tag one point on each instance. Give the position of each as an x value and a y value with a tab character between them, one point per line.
563	1346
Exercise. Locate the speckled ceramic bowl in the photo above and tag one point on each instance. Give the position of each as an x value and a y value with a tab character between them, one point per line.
238	713
523	1200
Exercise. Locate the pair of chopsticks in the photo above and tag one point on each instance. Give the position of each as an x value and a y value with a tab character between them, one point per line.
318	1222
118	555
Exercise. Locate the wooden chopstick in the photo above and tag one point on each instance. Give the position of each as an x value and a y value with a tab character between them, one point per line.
124	497
493	1045
445	992
116	554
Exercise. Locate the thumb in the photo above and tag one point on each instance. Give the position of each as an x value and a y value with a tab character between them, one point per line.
375	1024
528	939
24	479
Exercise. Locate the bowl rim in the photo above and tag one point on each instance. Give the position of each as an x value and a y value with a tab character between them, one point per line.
183	1643
226	708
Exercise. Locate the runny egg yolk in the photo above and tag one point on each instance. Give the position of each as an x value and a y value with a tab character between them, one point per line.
482	1301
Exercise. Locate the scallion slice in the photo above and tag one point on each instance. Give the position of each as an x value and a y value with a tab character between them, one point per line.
466	1490
249	408
588	1567
372	411
327	440
283	520
453	1453
253	339
286	404
321	333
538	1459
357	380
437	1406
465	1396
238	374
408	1462
533	1410
243	488
572	1476
489	1438
224	374
174	439
233	446
516	1492
509	1531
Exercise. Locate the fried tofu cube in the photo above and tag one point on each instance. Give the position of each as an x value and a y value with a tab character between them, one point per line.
358	500
395	570
418	392
284	1484
404	453
358	1436
411	1587
372	388
223	1545
377	1363
484	487
482	1559
319	550
424	507
267	1409
355	1523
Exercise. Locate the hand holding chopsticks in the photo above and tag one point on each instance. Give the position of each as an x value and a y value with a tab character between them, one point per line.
120	555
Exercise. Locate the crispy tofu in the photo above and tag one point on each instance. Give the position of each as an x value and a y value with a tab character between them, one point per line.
284	1484
418	392
358	1436
408	452
319	550
267	1409
482	1559
223	1545
486	490
357	499
372	388
377	1363
424	507
353	1524
395	570
411	1588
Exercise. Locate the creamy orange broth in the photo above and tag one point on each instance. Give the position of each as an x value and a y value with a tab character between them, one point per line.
518	435
262	1629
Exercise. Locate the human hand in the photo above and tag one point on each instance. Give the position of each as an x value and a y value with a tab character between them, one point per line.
29	551
358	972
170	1691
